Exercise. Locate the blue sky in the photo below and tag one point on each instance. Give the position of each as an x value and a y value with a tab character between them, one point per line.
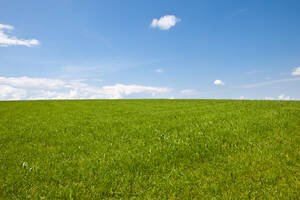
150	49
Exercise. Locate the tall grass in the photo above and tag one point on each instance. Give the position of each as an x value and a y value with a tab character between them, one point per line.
150	149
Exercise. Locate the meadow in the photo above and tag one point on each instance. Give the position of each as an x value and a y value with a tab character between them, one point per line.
150	149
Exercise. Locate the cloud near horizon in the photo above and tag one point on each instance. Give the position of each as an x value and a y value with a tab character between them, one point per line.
284	97
26	88
6	40
165	22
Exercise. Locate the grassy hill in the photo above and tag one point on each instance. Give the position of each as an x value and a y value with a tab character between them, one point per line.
150	149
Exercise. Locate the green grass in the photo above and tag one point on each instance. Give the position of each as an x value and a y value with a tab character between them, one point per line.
150	149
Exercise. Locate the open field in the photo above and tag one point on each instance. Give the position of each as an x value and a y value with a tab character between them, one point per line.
150	149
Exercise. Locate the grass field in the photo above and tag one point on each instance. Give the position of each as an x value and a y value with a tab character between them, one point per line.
150	149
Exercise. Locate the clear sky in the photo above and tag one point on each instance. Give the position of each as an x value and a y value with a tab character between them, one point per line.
150	49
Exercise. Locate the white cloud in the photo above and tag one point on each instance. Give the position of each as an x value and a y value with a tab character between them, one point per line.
10	93
296	72
165	23
280	97
188	92
269	98
219	82
8	27
284	97
16	88
242	97
6	40
119	90
33	82
159	70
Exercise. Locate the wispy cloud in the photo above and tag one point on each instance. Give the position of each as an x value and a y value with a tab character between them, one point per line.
254	72
268	83
165	22
240	11
296	72
18	88
6	40
26	82
159	70
268	78
188	92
